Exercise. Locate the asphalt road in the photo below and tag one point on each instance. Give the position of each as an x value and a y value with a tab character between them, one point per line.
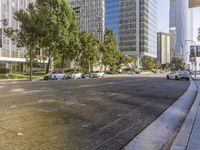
102	114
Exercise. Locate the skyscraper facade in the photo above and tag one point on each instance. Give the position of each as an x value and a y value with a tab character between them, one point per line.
180	20
138	27
163	48
90	15
195	23
112	16
172	32
9	52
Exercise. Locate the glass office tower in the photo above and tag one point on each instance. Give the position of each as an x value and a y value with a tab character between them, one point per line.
90	15
148	27
138	27
180	21
112	16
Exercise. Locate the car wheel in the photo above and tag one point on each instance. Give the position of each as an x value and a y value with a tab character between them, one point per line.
64	78
176	78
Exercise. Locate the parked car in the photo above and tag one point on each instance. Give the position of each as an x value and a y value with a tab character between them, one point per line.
98	74
55	75
178	75
75	75
86	75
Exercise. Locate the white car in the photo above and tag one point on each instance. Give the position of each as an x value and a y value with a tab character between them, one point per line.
75	75
55	75
98	74
177	75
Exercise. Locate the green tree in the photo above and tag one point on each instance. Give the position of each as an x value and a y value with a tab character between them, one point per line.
127	60
47	24
59	27
177	64
157	65
110	54
115	62
28	34
147	62
88	49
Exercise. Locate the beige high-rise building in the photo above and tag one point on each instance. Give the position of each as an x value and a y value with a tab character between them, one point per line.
163	48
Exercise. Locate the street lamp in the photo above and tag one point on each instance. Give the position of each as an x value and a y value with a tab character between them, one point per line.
195	53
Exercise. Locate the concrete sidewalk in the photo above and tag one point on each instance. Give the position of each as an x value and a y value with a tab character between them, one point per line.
165	133
188	137
197	77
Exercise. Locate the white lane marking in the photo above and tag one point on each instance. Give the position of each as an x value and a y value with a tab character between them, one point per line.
17	90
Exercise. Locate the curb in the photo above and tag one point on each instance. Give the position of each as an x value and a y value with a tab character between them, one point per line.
161	133
186	138
4	81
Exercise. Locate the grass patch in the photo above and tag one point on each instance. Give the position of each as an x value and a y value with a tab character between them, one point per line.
21	76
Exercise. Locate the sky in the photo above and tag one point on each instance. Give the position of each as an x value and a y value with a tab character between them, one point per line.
163	15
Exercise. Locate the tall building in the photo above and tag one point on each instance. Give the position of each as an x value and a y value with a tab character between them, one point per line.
112	16
173	52
195	23
138	27
180	20
90	15
163	48
11	56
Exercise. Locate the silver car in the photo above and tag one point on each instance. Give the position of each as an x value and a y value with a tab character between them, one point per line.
55	75
178	75
75	75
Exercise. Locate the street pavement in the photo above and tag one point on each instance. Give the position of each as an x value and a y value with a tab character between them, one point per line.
103	114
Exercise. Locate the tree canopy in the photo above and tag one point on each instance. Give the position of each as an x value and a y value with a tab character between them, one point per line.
47	24
177	64
110	54
147	62
88	50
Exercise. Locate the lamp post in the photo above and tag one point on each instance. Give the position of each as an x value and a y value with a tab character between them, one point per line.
195	53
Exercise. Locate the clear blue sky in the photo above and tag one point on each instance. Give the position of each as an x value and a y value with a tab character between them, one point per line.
163	15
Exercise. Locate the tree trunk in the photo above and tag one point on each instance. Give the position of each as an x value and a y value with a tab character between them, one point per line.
76	63
49	62
105	69
63	62
31	63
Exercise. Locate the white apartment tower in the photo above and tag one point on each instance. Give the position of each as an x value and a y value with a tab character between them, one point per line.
164	48
10	54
